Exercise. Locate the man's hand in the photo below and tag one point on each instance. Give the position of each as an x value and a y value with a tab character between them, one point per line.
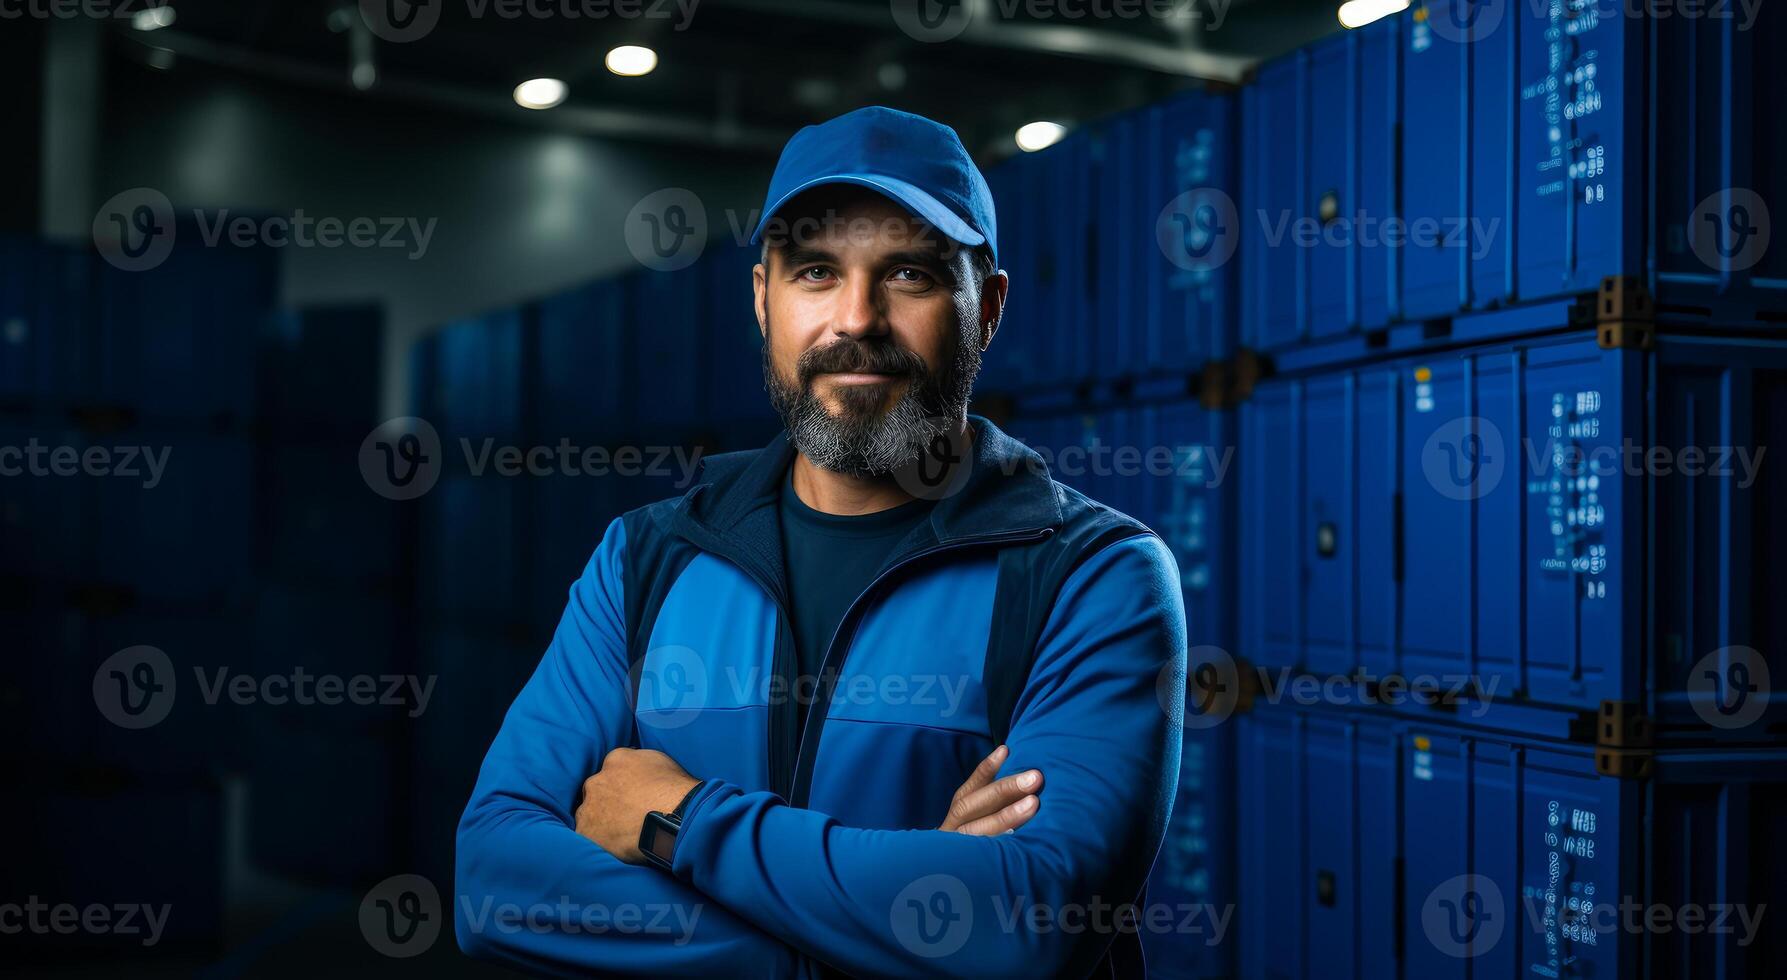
630	784
983	807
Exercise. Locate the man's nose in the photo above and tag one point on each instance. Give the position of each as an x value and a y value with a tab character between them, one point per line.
860	312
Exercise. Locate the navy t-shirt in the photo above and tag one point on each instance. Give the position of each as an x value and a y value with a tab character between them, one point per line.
831	559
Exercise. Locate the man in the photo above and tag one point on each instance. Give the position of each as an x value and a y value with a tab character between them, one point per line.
765	695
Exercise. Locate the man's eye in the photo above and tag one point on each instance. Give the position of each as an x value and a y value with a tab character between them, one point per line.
817	273
909	274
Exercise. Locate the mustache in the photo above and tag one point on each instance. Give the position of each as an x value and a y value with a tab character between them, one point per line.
857	356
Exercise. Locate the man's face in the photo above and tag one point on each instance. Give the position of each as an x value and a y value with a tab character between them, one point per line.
872	330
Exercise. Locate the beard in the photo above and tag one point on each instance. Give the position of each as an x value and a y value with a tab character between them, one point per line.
864	439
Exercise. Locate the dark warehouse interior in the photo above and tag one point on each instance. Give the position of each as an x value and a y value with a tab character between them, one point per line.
1439	344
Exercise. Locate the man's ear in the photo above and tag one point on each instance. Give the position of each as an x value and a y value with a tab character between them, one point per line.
992	306
760	296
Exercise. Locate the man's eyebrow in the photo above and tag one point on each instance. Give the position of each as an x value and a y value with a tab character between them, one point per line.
929	258
803	254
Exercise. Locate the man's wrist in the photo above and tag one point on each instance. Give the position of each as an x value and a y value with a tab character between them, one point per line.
660	829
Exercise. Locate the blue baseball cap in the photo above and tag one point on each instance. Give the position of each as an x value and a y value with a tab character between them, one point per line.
919	163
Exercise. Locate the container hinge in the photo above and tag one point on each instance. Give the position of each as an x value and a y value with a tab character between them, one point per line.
1625	317
1624	736
1208	692
1227	383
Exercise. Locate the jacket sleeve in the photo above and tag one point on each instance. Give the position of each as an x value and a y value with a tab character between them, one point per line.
530	890
1100	715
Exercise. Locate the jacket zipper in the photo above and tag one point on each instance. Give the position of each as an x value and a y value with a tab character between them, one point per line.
800	787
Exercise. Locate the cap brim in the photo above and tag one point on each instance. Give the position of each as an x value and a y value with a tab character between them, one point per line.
908	196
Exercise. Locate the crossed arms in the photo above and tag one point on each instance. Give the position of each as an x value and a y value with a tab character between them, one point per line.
762	888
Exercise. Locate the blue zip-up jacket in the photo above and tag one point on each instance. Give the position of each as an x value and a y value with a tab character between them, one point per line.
818	857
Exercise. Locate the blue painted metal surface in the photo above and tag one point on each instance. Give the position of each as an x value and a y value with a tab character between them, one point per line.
1480	515
584	386
1379	847
1046	213
321	370
1164	170
1320	180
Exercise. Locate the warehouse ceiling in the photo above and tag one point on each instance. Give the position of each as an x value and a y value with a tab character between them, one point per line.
742	73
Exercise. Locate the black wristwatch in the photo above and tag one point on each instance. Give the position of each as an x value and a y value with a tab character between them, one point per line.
657	839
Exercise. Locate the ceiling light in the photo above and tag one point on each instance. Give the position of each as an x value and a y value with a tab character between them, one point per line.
1358	13
1039	135
152	18
631	59
540	93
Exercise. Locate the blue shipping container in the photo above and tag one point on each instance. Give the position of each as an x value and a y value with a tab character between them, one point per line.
1462	157
175	345
1319	137
45	304
322	525
1045	203
321	369
1556	523
1382	848
479	380
1165	216
585	386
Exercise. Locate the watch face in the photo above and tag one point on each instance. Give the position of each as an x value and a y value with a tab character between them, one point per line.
658	842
